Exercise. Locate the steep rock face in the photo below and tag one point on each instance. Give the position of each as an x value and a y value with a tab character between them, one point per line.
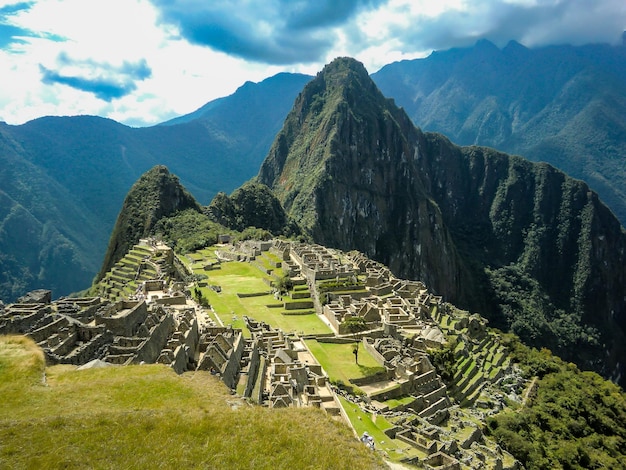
527	222
565	105
522	243
155	195
344	167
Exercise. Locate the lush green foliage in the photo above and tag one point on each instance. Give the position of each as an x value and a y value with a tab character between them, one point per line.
252	205
444	361
529	313
573	419
188	231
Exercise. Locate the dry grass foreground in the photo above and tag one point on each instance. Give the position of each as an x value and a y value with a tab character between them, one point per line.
148	417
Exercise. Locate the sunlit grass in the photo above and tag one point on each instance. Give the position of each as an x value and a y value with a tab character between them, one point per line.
148	417
338	361
238	277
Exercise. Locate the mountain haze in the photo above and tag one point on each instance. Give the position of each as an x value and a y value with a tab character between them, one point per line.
522	243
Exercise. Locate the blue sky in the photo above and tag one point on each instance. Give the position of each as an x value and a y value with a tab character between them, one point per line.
141	62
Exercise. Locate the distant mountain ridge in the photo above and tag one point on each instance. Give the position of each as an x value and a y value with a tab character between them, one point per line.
564	105
521	243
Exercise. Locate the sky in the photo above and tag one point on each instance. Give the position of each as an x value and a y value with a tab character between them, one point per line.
141	62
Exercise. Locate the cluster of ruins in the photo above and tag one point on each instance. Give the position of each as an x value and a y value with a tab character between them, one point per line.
145	314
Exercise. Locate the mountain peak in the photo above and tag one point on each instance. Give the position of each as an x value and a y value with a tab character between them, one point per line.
156	194
339	93
342	78
344	67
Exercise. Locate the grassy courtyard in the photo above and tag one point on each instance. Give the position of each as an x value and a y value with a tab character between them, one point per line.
234	277
338	361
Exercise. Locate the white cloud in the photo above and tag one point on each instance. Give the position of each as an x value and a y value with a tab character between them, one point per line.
100	41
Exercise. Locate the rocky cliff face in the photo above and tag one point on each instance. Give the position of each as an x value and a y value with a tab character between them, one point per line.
155	195
565	105
344	167
522	243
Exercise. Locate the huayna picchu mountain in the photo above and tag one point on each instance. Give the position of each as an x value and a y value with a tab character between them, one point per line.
522	243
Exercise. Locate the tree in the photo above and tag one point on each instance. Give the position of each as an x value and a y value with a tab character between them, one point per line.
356	325
284	284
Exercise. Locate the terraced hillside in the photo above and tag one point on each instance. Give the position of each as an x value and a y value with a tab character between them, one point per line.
432	385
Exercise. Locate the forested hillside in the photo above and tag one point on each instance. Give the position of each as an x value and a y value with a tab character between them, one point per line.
65	178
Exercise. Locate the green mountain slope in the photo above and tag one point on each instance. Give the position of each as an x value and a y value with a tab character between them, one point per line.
563	105
157	194
77	170
44	231
492	233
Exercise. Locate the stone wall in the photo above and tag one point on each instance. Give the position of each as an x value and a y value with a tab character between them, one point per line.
171	300
150	349
231	369
302	304
124	318
369	347
253	371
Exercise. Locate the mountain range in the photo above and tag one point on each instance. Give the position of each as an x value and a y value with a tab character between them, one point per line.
563	105
65	178
521	243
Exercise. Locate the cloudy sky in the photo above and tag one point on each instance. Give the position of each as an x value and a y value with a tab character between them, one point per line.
141	62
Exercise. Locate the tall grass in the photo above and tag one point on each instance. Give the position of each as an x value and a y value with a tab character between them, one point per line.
148	417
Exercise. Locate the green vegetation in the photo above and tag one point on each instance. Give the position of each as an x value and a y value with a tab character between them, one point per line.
234	278
155	195
338	361
148	417
252	205
444	361
529	313
188	231
573	419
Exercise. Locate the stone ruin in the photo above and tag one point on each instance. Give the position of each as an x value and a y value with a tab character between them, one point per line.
287	374
158	323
